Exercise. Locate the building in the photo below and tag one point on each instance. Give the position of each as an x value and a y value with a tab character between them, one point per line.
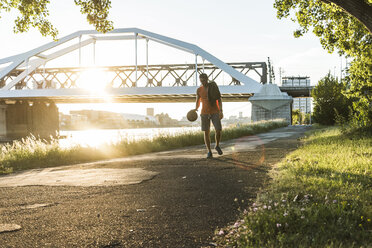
296	81
78	119
166	121
150	111
136	119
301	103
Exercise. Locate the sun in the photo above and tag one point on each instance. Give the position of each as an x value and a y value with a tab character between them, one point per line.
93	79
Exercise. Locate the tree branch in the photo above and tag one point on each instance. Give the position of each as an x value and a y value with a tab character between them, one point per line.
357	8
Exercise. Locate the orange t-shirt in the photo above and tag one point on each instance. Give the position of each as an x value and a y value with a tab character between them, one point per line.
207	108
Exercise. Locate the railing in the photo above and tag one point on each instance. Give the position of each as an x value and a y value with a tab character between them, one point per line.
124	76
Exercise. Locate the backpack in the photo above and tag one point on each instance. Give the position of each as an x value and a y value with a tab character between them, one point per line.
213	93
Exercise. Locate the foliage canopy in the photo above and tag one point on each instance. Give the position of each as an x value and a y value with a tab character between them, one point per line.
35	14
337	30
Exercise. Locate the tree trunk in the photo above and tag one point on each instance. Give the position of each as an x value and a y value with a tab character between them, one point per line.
358	8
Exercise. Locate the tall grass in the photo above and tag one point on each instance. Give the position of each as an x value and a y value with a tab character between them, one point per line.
321	196
33	153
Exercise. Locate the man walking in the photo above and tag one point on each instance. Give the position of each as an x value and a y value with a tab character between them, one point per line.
210	96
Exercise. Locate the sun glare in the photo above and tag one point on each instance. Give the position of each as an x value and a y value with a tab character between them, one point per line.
94	80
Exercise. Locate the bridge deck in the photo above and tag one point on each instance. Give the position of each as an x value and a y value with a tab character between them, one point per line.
297	91
234	93
135	94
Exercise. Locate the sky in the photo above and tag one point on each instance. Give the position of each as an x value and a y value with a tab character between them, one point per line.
231	30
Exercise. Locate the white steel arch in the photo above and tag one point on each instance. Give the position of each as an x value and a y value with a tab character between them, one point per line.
38	58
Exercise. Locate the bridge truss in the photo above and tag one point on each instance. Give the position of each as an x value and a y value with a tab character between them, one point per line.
124	76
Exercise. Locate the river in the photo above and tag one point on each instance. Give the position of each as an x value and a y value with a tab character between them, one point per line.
96	137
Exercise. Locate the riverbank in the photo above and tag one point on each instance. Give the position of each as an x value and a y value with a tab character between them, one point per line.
31	153
320	197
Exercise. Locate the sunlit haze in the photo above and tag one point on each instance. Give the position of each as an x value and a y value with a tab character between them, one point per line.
93	79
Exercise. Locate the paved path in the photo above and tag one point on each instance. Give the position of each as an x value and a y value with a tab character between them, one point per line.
168	199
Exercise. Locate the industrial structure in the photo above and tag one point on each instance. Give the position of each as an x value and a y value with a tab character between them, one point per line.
302	101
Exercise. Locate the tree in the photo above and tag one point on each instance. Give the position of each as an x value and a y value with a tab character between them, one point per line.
34	13
329	102
338	30
296	117
299	117
307	118
360	9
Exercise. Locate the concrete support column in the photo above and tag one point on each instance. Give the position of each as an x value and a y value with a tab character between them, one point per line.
3	121
22	119
270	104
53	119
17	118
44	119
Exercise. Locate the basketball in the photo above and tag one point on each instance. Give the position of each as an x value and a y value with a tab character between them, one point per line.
192	115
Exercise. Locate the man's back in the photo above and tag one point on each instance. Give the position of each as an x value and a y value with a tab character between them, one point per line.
207	107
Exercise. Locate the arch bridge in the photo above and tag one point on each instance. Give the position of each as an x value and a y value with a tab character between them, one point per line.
25	76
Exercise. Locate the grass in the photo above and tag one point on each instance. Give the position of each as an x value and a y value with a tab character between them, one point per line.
320	196
30	153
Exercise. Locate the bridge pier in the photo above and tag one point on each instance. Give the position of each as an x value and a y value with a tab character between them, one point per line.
2	120
23	118
270	104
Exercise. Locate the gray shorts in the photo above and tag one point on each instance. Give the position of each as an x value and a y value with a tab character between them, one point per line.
206	122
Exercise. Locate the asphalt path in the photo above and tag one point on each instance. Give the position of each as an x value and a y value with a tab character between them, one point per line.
176	198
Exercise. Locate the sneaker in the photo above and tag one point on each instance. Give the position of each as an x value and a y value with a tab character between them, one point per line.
209	155
218	149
